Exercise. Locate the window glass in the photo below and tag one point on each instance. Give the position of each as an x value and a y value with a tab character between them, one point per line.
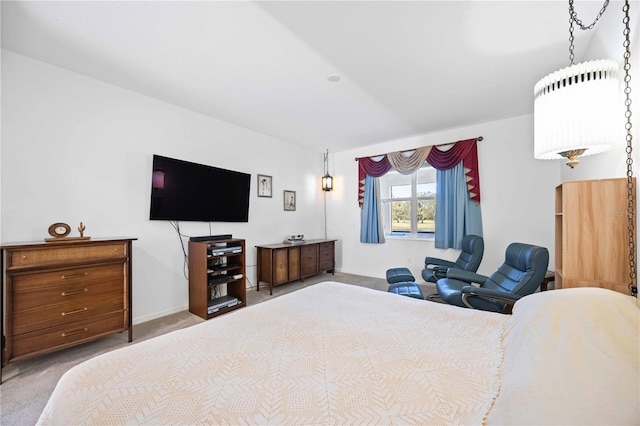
426	199
409	203
401	214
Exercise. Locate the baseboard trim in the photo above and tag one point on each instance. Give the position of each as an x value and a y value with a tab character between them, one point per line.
146	318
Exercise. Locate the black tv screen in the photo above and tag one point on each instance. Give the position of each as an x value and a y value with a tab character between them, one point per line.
181	190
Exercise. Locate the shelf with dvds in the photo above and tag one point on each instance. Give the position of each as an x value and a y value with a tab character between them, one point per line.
216	277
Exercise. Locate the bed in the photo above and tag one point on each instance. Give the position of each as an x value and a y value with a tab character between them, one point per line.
335	353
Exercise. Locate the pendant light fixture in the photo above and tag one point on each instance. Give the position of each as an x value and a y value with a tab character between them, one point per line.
567	140
576	108
327	179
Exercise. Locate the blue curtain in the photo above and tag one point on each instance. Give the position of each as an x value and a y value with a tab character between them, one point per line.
370	224
456	214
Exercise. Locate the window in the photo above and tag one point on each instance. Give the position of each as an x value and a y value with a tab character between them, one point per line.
409	203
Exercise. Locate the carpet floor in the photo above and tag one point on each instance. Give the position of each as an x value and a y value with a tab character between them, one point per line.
28	384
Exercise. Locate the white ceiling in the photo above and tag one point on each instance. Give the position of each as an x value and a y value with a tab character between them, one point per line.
406	68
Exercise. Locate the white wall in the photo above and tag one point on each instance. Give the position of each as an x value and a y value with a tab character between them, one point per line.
517	199
78	150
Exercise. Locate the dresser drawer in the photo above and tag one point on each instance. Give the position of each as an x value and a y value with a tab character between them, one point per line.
309	253
52	255
67	280
67	335
48	315
64	294
45	299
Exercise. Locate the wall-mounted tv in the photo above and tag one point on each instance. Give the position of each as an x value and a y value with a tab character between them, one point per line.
185	191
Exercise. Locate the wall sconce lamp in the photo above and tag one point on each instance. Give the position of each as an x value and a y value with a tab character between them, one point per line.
327	179
575	108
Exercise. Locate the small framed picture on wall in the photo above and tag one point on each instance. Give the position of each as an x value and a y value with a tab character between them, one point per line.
265	186
289	200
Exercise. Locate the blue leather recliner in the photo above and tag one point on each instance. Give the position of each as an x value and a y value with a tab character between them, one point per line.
521	274
468	260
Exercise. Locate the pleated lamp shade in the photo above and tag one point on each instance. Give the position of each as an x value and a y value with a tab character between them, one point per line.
575	109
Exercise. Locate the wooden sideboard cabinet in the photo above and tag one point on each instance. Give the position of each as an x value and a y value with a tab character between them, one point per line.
592	238
64	293
285	262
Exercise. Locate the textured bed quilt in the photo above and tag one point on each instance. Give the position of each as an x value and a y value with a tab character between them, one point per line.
330	353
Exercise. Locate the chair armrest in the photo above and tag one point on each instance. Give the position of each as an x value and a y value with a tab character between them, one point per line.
466	276
438	262
439	272
501	296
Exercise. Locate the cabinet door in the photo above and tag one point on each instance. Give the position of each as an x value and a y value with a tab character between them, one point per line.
327	259
595	238
294	263
281	266
309	260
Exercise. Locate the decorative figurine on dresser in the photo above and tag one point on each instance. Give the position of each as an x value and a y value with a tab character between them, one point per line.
63	292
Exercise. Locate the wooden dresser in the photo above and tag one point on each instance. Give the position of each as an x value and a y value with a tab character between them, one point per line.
285	262
61	294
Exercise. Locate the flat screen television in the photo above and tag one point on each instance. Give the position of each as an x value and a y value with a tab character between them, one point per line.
185	191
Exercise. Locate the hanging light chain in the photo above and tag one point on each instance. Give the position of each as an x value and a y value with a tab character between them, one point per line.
631	217
573	17
571	54
326	162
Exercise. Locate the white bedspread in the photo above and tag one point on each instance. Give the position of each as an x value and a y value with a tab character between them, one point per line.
572	357
336	354
327	354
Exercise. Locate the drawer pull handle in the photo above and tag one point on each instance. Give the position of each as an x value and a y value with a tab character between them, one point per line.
71	293
66	277
70	333
73	312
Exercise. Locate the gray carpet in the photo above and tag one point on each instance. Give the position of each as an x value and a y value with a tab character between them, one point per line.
28	384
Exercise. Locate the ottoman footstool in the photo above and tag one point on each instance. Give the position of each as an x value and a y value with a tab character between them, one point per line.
407	288
397	275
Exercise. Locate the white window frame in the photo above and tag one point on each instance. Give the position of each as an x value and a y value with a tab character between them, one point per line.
386	202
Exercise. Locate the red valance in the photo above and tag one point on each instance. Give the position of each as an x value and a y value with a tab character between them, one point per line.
465	151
